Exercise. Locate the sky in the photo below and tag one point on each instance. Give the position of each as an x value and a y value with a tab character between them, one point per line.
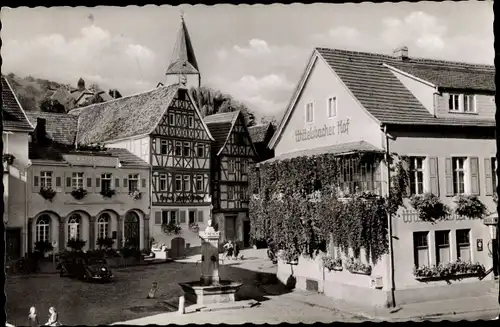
256	53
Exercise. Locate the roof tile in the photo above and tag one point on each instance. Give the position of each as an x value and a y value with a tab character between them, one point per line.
13	115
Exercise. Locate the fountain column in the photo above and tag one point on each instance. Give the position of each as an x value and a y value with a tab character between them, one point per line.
209	255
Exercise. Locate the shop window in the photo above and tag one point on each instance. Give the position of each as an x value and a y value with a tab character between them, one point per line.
421	248
442	239
463	244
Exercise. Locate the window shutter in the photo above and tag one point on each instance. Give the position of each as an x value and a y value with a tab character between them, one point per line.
117	183
182	216
433	176
125	185
35	181
89	185
97	182
488	179
406	167
143	182
158	218
58	181
68	182
474	175
200	216
448	172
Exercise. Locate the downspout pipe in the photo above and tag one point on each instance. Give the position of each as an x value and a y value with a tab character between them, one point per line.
392	301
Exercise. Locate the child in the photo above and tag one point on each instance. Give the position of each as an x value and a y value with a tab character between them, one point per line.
33	318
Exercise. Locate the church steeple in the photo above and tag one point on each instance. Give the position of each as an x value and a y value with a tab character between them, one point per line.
183	64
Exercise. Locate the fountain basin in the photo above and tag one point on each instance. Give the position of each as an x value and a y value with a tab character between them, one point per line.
200	293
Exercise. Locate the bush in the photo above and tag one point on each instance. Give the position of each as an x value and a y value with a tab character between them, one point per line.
47	193
76	244
171	228
429	207
105	242
108	193
43	247
356	266
79	193
470	206
332	263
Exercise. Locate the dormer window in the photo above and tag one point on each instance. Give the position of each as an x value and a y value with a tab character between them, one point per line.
462	103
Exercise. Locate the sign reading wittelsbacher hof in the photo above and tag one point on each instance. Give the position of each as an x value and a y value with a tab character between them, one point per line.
342	127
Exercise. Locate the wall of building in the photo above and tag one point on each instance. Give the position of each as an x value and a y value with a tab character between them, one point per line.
93	204
356	123
140	147
189	236
485	107
16	143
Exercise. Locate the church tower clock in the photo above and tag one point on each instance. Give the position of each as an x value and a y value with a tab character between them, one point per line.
183	67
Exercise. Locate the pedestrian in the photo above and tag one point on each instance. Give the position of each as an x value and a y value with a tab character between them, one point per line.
33	318
53	318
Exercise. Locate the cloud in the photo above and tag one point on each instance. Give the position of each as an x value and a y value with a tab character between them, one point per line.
339	37
268	83
95	54
255	47
417	29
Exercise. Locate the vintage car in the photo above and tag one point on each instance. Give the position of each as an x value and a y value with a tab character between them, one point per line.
85	268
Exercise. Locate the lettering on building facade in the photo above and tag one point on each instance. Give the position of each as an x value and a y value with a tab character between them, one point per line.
342	127
411	216
83	160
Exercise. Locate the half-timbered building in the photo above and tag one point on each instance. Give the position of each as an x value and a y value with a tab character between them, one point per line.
232	154
165	129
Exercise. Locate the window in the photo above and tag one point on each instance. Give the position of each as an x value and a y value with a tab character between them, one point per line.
463	244
421	248
199	183
244	167
163	147
178	148
163	182
458	175
178	183
187	147
105	182
357	176
230	166
190	121
494	173
454	102
200	150
46	179
103	226
187	183
191	216
416	175
133	183
469	103
230	192
173	217
74	227
332	107
77	180
442	246
309	112
164	217
43	228
171	119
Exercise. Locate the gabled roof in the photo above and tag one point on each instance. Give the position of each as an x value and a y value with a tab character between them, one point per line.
183	58
14	117
259	132
221	125
342	148
382	94
125	117
60	127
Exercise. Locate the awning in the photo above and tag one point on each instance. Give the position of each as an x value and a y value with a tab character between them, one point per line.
340	149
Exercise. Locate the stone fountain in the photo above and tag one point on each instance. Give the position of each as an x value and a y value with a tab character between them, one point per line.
210	288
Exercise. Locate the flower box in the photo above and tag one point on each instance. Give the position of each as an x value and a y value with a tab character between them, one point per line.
47	193
79	193
331	263
357	267
449	277
449	271
136	195
108	193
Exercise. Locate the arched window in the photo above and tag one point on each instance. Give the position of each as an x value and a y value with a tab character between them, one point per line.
103	226
43	228
74	227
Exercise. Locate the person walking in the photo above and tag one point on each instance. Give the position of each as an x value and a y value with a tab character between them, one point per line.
33	318
53	318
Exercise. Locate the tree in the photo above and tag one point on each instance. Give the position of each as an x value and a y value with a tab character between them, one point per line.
48	105
269	119
114	93
96	98
210	101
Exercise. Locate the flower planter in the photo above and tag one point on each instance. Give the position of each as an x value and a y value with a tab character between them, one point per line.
335	269
293	262
359	272
449	277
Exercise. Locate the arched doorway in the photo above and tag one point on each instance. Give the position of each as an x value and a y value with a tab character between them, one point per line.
131	230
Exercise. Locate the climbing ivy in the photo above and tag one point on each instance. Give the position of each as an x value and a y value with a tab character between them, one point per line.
296	203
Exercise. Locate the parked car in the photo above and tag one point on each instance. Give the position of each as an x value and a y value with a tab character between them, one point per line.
85	268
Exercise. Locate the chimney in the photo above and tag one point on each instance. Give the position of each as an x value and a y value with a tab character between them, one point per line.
401	53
